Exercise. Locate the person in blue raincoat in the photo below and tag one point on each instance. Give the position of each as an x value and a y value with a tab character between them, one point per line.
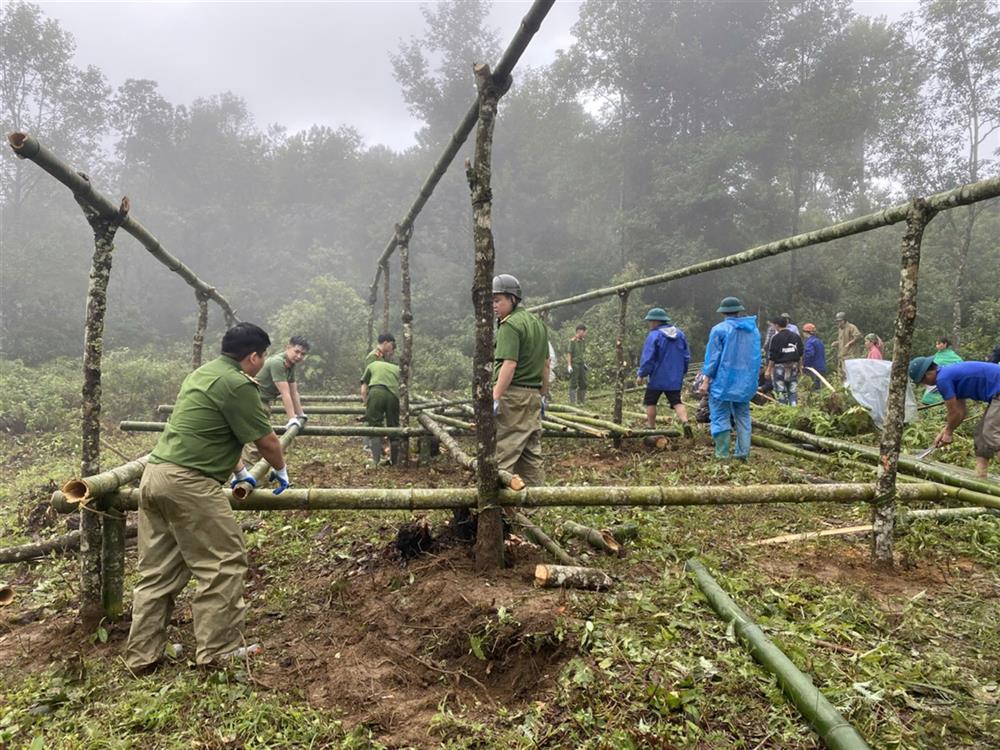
664	362
731	368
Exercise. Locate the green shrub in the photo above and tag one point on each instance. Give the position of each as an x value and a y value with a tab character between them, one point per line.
39	399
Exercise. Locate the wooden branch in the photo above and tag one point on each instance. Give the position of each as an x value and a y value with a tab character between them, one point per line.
543	540
512	481
571	577
602	540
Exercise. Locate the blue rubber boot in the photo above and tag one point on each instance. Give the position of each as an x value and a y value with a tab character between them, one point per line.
722	444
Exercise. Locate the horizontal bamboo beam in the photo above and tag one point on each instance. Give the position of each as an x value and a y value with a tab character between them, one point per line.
960	196
832	728
338	409
501	72
374	498
320	398
87	488
27	147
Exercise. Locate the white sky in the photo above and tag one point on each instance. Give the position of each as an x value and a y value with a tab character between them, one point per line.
295	63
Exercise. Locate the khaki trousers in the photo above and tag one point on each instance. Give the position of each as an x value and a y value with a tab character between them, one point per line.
987	439
519	434
186	528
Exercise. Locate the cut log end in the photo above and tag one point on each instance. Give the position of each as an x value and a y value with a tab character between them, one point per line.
516	483
655	441
76	491
16	140
241	490
6	595
571	577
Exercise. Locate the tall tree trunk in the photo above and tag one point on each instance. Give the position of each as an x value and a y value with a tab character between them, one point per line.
372	300
406	356
199	331
622	368
962	276
97	592
884	507
489	533
385	298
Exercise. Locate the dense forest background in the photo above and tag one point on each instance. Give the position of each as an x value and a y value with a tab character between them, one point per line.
667	134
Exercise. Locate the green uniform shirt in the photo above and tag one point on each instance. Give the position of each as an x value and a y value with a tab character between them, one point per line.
375	355
522	337
217	410
577	351
382	373
274	371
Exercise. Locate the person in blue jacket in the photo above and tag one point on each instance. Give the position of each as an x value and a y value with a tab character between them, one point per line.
813	354
664	362
731	368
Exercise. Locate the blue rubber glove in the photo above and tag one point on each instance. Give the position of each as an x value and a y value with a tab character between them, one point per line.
243	476
281	477
496	408
543	407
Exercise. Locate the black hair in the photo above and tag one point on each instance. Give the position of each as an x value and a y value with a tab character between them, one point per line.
243	339
384	337
944	340
300	341
781	320
581	327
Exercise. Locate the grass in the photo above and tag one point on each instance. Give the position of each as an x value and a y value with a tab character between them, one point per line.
910	657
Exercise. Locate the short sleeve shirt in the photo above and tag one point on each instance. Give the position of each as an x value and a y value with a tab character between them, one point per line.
523	338
975	380
217	411
382	373
274	371
577	351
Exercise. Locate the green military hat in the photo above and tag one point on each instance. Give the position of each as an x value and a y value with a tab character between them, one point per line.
919	367
731	305
657	313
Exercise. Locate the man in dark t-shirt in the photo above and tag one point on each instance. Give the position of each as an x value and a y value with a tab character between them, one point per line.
784	358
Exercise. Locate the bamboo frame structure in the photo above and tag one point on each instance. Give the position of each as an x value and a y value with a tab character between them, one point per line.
27	147
832	728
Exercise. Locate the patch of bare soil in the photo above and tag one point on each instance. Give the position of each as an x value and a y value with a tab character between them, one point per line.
849	565
386	646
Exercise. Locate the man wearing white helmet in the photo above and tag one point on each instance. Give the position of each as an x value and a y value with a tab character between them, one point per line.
520	382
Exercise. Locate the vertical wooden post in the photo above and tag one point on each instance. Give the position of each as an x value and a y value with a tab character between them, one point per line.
884	507
102	538
489	532
385	297
406	355
622	370
199	331
372	301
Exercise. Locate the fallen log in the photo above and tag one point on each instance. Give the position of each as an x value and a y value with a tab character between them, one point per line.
602	540
571	577
543	540
832	728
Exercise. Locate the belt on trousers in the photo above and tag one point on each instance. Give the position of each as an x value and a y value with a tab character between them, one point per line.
524	388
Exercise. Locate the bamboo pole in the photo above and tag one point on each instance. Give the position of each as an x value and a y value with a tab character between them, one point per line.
621	371
385	298
513	481
336	409
27	147
85	489
654	496
566	424
505	66
406	315
884	511
100	550
911	465
6	595
624	532
262	467
960	196
543	540
489	527
320	398
550	425
832	728
198	344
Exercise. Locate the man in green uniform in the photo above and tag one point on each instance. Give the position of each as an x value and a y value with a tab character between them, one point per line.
186	525
850	343
277	379
520	382
384	349
576	366
380	394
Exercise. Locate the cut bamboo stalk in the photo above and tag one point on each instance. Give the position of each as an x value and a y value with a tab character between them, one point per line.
565	424
602	540
320	398
373	498
452	422
571	577
832	728
278	409
816	374
604	424
621	370
87	488
513	481
262	467
543	540
624	532
960	196
406	318
6	595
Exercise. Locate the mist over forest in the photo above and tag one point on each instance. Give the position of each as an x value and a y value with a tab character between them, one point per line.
668	133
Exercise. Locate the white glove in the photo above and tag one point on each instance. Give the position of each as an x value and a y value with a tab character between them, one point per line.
293	421
569	369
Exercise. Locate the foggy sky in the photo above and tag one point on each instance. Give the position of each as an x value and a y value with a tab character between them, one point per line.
296	64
